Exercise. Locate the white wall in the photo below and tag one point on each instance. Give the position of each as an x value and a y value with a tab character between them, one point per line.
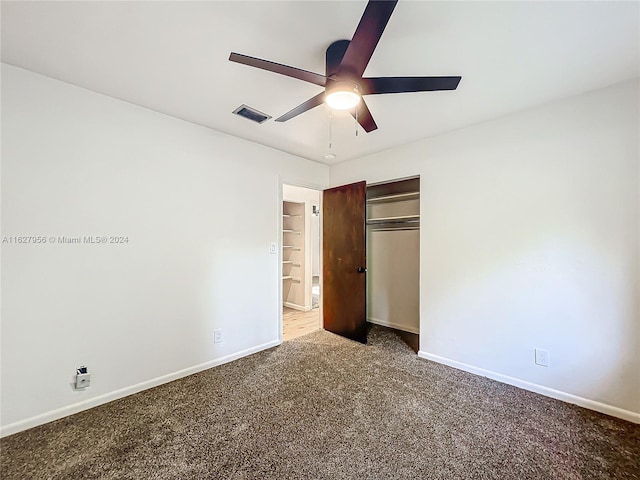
393	278
309	197
530	239
199	208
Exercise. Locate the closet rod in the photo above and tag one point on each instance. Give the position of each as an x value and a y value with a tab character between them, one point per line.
394	197
393	221
397	219
379	228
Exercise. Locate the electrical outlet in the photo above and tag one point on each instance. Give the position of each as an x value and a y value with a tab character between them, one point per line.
83	378
542	357
217	335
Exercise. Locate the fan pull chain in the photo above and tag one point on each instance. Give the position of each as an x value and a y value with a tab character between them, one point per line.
356	116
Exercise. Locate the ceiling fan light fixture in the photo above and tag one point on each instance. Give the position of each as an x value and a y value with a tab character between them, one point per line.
343	96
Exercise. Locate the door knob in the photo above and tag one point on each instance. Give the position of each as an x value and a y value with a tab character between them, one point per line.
361	269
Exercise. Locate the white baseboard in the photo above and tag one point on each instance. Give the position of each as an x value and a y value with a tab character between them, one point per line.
533	387
397	326
295	306
52	415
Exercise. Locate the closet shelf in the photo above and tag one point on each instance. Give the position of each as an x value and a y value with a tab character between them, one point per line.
293	279
291	262
286	215
396	197
297	232
399	219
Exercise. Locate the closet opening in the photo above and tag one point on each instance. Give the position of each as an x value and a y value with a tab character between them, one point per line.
393	257
371	259
300	253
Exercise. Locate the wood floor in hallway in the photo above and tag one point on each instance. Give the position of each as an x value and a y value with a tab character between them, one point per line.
298	323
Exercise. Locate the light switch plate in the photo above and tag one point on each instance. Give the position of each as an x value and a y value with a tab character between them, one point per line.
542	357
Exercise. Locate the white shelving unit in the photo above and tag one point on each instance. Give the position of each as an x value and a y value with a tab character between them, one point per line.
388	211
293	274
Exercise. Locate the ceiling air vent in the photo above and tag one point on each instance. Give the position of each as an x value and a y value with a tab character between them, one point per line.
251	114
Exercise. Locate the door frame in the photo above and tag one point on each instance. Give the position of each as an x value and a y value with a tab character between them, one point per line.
312	186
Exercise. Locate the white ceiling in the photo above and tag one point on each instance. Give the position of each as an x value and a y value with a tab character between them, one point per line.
172	57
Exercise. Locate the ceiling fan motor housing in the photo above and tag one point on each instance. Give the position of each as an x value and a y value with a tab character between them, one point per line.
344	88
334	55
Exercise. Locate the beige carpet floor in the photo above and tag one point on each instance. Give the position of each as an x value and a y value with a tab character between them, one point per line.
321	407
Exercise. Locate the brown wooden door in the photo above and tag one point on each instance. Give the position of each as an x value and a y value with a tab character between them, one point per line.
344	261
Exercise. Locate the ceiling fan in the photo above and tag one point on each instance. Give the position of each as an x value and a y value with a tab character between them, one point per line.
345	63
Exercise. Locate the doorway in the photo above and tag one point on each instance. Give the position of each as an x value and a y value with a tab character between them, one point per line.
371	244
300	261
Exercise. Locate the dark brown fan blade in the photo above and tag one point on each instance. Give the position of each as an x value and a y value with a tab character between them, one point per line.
293	72
364	41
364	117
372	86
308	105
